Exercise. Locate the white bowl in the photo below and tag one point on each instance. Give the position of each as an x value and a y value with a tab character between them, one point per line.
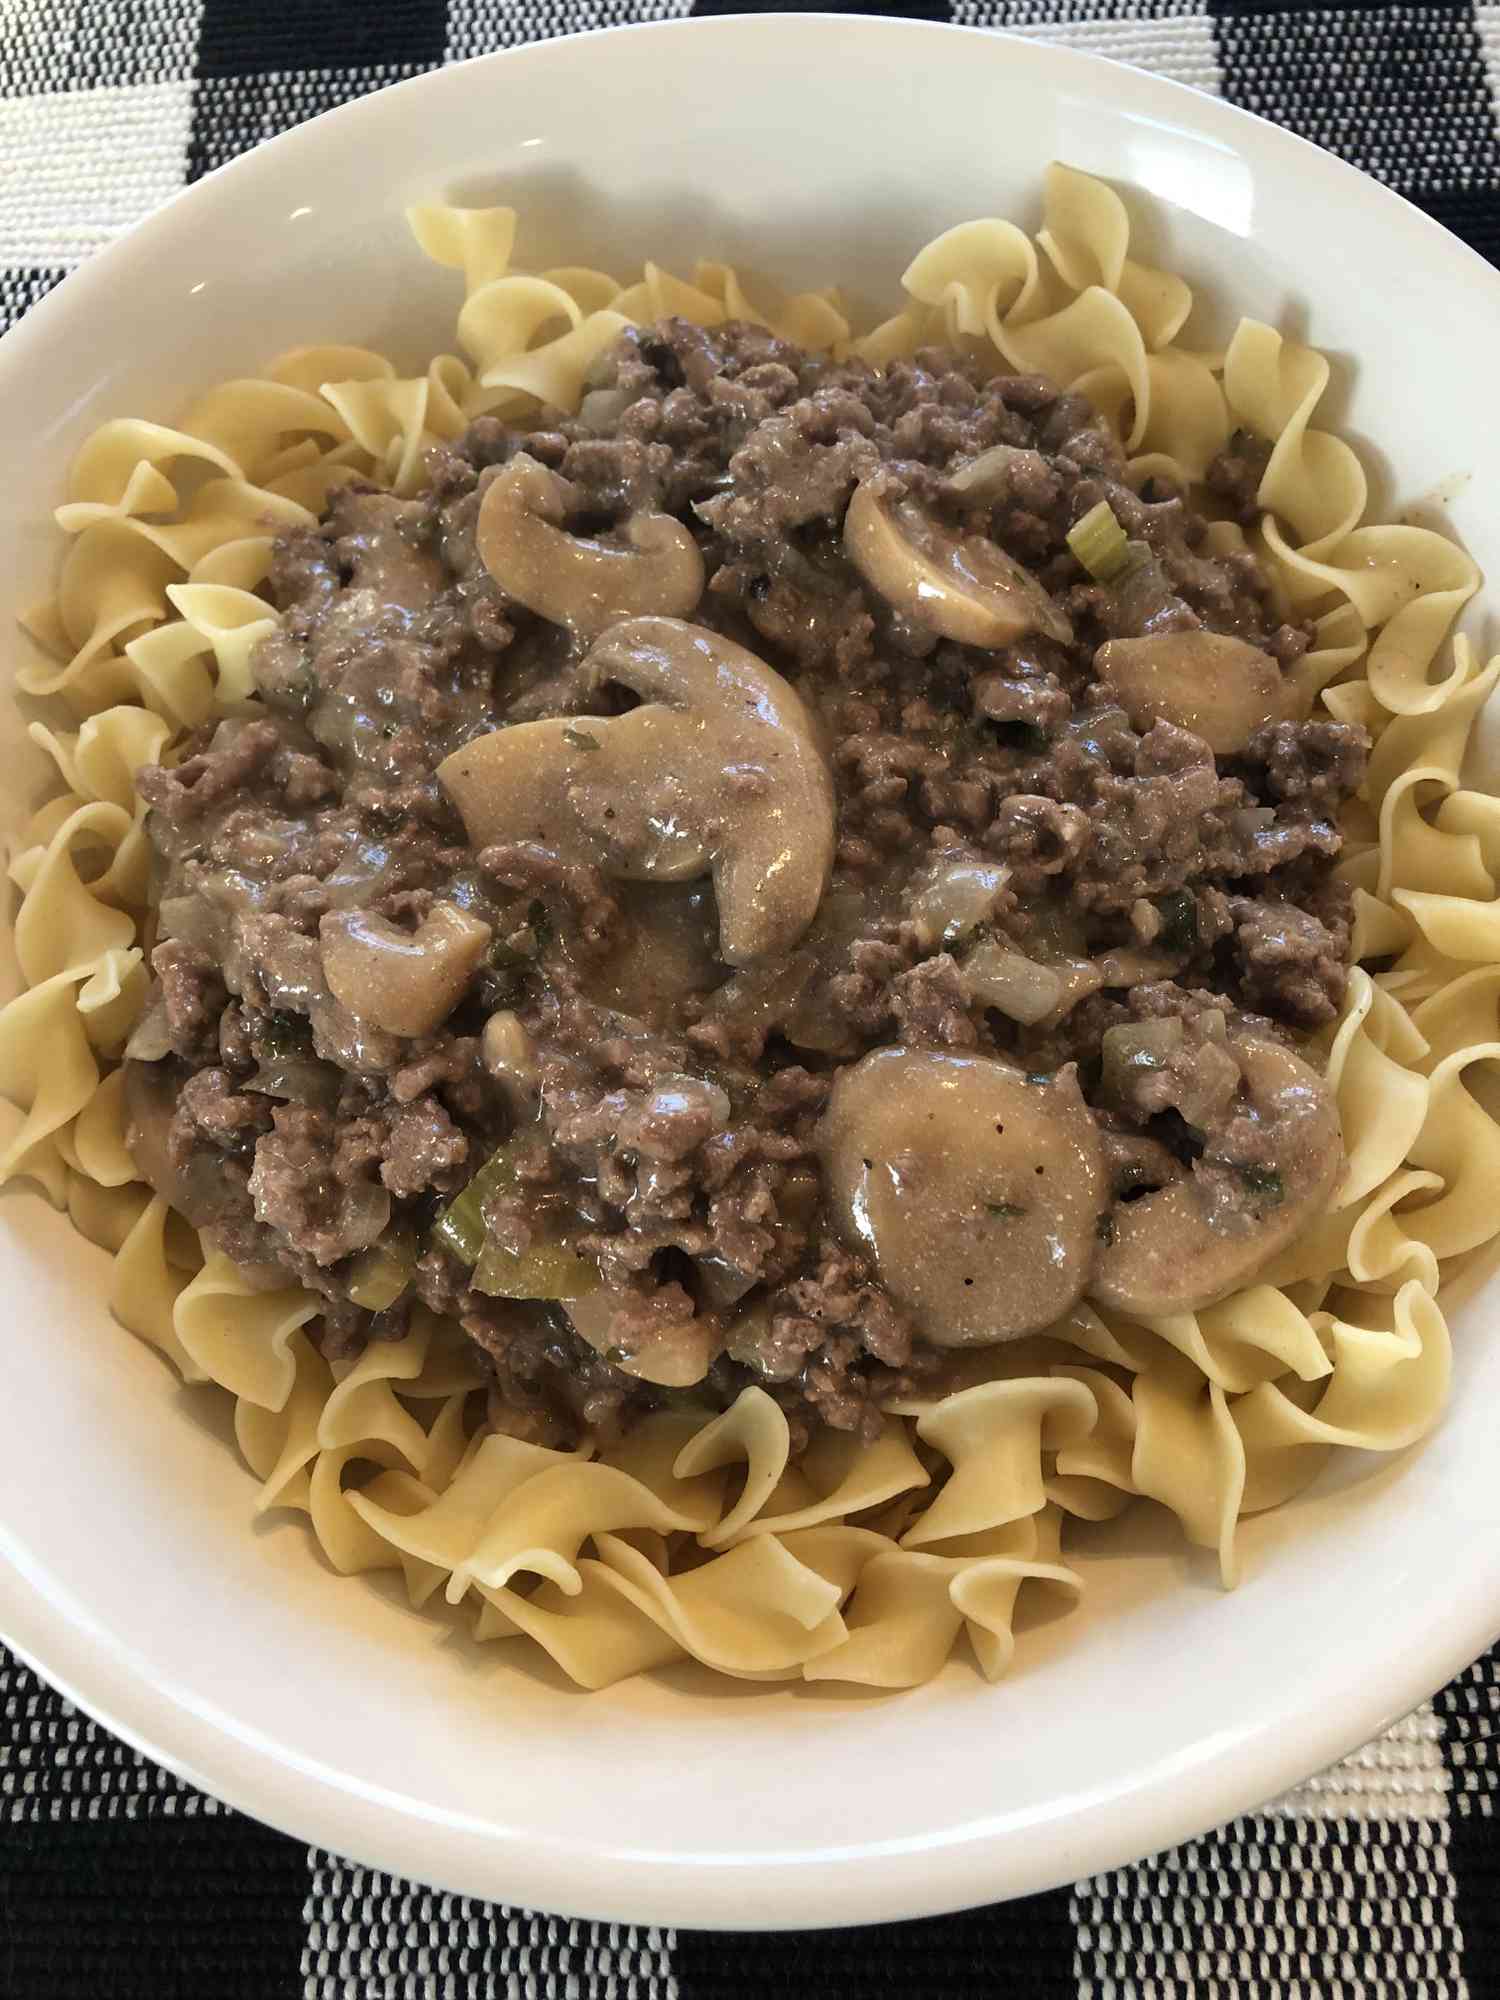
821	148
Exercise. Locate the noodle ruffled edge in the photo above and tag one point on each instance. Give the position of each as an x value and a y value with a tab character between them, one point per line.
700	1538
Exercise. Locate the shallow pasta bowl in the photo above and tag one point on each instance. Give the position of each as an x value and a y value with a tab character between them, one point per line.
323	1706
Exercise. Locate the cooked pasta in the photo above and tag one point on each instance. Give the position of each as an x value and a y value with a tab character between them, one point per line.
707	1538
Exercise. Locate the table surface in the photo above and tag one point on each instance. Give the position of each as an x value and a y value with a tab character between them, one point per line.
1378	1880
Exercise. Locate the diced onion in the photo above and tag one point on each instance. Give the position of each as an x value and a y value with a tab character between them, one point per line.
194	920
1018	986
724	1284
300	1079
150	1040
957	898
1249	821
602	407
986	477
1135	1046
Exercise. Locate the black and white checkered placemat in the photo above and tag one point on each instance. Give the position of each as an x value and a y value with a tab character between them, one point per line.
1378	1881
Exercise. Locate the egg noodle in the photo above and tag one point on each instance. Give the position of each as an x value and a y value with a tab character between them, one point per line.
697	1537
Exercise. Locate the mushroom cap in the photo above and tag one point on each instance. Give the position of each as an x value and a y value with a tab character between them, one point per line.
614	791
583	582
407	982
962	587
763	792
976	1190
1166	1257
1222	689
719	770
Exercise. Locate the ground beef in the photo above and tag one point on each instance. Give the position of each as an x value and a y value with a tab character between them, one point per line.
1310	767
192	996
310	1182
1291	962
635	1106
1236	474
211	1108
424	1149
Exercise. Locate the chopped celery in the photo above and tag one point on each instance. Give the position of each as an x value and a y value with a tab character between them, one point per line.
1099	543
460	1228
549	1268
382	1273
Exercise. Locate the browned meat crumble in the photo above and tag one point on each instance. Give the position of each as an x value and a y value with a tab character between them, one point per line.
658	1112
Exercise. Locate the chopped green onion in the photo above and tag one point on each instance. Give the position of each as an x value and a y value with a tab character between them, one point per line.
460	1228
1104	1229
1099	543
580	739
382	1273
1007	1211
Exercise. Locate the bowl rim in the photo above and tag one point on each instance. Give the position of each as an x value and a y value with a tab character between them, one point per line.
859	1883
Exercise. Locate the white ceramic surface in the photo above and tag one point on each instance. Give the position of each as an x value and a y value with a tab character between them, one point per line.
818	148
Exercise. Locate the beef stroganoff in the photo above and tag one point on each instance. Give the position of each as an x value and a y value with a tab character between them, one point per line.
729	973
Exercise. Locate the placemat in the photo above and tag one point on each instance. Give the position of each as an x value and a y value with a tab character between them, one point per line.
1379	1880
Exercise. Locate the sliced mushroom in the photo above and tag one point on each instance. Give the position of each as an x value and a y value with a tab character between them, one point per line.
583	582
718	770
960	586
976	1189
990	476
1221	689
1171	1252
406	982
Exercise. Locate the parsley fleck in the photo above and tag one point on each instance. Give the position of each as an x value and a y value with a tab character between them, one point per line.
1104	1229
1263	1182
580	739
1007	1211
